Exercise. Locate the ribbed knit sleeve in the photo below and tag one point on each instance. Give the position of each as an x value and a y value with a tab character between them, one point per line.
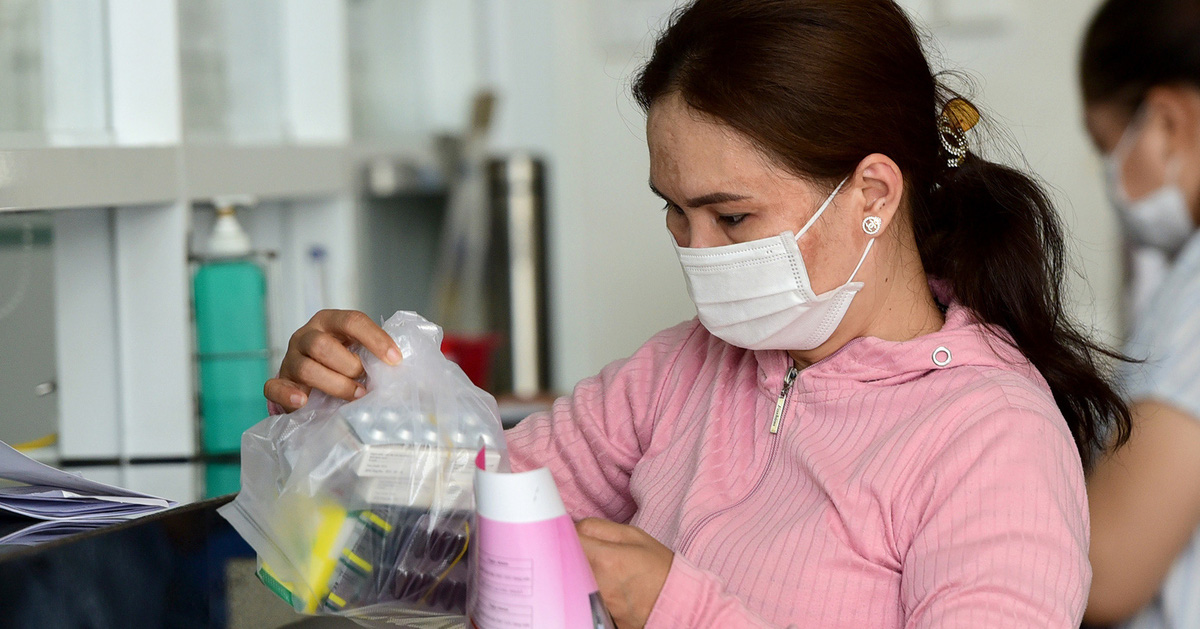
592	439
998	527
694	599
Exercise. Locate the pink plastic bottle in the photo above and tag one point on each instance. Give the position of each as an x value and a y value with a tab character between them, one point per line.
531	571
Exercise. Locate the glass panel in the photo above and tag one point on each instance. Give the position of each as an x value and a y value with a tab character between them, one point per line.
20	67
230	54
414	66
202	62
385	56
27	364
53	73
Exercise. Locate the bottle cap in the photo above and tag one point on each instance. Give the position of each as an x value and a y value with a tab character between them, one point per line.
228	239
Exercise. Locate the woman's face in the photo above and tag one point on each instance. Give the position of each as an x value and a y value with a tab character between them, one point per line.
1146	152
720	189
1160	145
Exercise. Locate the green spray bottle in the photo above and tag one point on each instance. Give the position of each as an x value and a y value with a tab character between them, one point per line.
229	296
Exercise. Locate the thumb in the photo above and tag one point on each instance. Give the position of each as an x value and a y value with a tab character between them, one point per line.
604	530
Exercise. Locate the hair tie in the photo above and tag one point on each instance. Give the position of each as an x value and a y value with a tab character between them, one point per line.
958	116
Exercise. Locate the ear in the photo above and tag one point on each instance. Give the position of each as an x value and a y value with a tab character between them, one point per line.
1175	107
1184	140
879	186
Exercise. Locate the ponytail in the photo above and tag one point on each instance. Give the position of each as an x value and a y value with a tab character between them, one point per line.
991	232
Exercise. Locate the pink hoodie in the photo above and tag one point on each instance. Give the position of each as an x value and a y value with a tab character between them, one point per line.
896	492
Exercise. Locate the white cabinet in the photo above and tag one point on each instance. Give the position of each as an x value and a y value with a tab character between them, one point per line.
121	118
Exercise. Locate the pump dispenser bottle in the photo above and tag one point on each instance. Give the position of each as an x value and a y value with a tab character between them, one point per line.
229	293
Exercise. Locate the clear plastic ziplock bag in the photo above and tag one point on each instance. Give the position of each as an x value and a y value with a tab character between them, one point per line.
364	509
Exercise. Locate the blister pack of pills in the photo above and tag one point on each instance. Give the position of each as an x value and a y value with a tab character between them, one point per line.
364	509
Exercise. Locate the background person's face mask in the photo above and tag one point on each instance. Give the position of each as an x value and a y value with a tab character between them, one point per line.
1160	219
757	294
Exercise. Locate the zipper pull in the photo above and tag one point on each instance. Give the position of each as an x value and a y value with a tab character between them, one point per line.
782	401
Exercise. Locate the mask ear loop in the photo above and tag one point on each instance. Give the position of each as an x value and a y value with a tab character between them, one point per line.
1174	168
861	260
1130	134
821	210
1116	159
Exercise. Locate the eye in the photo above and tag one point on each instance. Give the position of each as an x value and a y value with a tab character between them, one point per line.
671	207
732	219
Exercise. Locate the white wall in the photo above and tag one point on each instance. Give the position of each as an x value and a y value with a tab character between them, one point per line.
614	278
564	66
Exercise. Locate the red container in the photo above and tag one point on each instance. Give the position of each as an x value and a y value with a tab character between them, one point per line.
474	354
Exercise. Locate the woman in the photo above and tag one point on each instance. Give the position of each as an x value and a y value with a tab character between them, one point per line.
839	440
1140	72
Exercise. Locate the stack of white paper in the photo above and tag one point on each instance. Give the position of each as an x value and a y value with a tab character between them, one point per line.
39	502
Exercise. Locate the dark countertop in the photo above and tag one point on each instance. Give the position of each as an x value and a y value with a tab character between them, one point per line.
181	568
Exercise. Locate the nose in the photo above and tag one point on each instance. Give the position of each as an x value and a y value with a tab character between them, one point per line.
701	234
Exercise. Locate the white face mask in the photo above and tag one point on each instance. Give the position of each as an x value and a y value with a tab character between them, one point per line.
1161	219
757	294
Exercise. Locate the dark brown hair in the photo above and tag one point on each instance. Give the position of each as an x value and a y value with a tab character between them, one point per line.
821	84
1134	45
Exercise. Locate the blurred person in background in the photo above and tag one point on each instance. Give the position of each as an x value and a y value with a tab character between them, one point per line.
1140	72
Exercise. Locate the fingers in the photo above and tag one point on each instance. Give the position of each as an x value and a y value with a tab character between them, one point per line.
308	372
607	531
600	554
358	327
630	568
286	393
594	537
324	348
317	358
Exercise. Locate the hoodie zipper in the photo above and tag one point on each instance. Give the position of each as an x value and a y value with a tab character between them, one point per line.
776	422
781	403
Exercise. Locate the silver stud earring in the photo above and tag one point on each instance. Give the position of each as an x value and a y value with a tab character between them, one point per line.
872	225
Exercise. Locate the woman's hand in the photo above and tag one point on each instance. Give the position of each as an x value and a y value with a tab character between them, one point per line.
317	358
630	566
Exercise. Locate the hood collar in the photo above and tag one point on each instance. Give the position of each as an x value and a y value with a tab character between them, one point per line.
962	341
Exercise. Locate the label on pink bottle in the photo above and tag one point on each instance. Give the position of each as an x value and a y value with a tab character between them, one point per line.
531	572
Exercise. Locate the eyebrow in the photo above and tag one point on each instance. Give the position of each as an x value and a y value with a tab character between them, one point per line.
708	199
